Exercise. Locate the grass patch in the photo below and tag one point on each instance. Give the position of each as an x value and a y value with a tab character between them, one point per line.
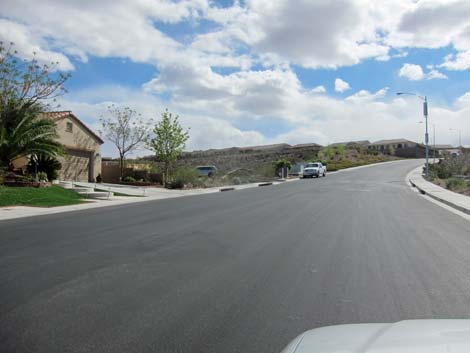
40	197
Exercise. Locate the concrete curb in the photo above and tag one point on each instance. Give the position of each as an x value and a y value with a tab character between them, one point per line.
416	178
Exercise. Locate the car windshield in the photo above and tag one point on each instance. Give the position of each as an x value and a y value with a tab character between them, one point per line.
312	165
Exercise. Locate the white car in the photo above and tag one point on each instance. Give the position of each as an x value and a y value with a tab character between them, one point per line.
316	170
411	336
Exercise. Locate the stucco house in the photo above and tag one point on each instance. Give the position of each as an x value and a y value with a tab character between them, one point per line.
82	159
384	145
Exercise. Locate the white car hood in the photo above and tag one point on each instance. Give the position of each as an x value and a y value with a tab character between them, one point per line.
413	336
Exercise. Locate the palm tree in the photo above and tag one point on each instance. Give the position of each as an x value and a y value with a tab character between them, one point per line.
23	133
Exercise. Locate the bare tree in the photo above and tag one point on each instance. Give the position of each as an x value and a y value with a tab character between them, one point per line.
25	83
126	129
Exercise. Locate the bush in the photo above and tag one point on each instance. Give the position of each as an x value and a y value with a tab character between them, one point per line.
45	164
183	177
138	174
455	183
440	170
129	179
156	178
3	172
42	176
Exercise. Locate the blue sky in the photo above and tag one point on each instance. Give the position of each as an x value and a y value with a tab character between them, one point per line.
258	71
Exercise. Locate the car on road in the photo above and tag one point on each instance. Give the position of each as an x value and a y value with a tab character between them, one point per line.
207	170
316	170
417	336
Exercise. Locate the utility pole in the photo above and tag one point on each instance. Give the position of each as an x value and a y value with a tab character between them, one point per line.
426	137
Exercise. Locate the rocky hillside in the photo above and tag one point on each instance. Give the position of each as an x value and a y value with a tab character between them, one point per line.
252	158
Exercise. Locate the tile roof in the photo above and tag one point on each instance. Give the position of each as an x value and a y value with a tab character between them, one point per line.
386	142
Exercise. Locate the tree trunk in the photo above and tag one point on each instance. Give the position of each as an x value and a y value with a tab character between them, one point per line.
167	172
121	167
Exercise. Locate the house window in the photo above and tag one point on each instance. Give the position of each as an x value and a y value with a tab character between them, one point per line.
68	127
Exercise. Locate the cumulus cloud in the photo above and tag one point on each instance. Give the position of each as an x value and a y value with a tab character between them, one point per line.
412	72
319	89
28	44
341	86
415	72
458	62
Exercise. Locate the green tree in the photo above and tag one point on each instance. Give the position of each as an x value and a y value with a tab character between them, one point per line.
168	143
27	91
282	165
126	129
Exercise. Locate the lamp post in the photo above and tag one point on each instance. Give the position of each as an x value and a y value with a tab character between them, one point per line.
426	136
460	136
433	141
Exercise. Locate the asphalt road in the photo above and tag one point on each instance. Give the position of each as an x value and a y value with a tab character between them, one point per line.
242	271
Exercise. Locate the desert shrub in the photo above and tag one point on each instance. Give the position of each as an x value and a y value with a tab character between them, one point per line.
267	170
237	181
441	170
129	179
185	176
456	183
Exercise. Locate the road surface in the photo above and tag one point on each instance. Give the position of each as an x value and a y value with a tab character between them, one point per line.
242	271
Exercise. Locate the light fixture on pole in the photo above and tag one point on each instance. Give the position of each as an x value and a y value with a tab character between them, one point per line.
426	136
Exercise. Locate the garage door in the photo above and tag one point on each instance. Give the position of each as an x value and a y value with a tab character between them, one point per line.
75	166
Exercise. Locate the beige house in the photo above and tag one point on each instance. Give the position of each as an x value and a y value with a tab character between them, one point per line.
384	145
82	160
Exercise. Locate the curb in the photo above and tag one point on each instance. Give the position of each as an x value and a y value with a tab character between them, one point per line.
265	184
226	189
437	198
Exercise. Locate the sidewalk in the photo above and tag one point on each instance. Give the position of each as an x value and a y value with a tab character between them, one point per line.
450	198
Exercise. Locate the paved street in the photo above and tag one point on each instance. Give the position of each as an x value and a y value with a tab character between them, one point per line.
242	271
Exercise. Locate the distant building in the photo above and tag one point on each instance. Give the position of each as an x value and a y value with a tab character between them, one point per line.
442	150
400	148
351	144
384	145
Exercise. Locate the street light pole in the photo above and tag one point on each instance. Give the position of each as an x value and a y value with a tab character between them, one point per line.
426	136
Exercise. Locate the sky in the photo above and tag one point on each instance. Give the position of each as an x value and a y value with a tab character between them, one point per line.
241	73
